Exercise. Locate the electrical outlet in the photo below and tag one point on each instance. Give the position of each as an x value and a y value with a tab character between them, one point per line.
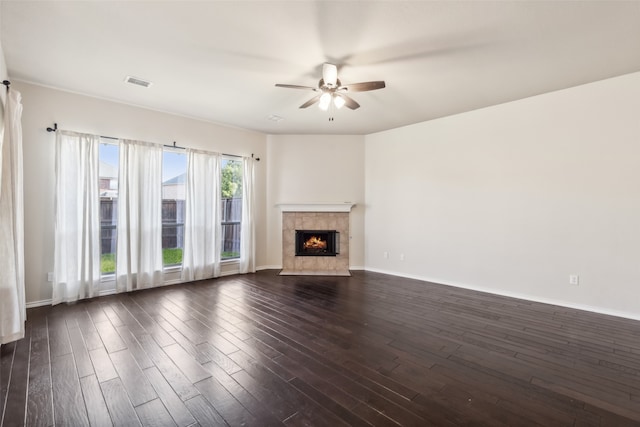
574	279
386	254
401	257
49	277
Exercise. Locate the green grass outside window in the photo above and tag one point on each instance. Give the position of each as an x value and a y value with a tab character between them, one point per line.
170	256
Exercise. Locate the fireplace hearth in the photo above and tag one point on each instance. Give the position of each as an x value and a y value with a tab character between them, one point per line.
317	242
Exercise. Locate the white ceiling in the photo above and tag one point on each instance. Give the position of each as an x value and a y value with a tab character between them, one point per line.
219	60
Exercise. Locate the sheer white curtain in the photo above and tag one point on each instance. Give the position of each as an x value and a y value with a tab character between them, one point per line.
247	228
202	230
139	226
12	303
77	217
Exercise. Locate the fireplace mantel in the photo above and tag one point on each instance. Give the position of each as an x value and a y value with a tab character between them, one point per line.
316	207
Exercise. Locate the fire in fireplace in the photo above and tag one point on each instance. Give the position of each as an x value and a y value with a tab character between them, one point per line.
317	243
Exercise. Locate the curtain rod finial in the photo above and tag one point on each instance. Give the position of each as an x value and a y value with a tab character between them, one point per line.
53	129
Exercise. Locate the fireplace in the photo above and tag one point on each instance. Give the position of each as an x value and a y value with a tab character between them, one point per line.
317	243
316	217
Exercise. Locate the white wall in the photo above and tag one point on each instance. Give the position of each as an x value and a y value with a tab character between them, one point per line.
315	168
514	198
3	76
44	106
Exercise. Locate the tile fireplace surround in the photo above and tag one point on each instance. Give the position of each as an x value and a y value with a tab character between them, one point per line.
315	216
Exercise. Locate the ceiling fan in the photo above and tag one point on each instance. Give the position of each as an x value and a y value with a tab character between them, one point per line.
331	89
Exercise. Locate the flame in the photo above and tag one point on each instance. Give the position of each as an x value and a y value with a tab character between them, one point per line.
315	242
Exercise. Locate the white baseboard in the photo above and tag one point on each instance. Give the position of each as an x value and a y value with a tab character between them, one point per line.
599	310
269	267
279	267
41	303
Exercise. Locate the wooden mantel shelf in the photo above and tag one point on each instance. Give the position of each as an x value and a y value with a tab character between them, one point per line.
316	207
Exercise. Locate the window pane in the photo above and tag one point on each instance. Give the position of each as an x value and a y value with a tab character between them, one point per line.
108	174
174	172
231	186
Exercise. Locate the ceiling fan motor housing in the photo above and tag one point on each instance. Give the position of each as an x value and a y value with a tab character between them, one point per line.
324	86
330	75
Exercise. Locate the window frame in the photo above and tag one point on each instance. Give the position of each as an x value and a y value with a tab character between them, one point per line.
113	227
109	277
176	224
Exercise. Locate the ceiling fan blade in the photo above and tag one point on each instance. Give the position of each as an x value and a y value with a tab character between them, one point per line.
311	101
348	101
365	86
329	74
296	87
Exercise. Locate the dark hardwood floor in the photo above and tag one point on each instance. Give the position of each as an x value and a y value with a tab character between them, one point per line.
371	349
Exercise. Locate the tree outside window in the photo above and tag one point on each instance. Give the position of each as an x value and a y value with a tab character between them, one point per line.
231	189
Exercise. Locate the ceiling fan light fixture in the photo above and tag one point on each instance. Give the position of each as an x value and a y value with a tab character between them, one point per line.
338	101
325	100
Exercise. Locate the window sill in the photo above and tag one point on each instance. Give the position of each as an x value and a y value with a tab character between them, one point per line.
104	278
172	269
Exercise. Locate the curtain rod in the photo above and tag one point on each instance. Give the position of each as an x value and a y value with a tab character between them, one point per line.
55	128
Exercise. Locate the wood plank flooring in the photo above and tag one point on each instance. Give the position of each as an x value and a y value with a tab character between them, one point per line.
366	350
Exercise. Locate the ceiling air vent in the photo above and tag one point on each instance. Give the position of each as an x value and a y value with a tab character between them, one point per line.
275	118
137	81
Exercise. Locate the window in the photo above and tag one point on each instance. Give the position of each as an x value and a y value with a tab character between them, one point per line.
231	200
112	232
108	178
174	172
